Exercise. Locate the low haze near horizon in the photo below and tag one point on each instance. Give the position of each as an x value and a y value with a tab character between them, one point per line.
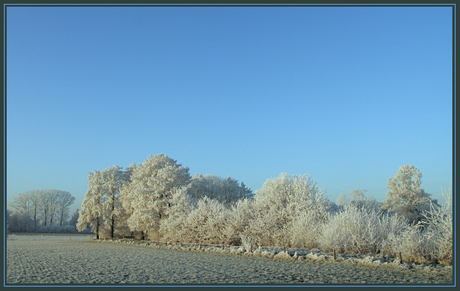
344	94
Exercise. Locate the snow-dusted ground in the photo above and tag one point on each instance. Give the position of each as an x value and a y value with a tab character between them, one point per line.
72	259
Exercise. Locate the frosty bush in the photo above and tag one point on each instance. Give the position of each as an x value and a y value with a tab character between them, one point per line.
428	241
240	218
207	222
438	230
409	242
358	230
204	221
280	202
305	230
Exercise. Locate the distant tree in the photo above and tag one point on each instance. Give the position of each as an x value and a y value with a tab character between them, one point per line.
227	191
405	197
18	222
74	218
359	200
342	200
48	205
150	190
35	206
22	204
45	204
63	200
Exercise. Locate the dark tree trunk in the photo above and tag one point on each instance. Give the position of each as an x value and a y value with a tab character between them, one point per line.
112	227
35	218
97	228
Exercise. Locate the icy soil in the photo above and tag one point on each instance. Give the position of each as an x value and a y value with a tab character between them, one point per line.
72	259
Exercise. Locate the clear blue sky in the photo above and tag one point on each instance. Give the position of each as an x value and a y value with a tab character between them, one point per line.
346	95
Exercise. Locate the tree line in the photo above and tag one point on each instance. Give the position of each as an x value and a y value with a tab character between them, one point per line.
160	200
39	209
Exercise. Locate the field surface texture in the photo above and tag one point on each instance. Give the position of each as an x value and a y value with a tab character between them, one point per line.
72	259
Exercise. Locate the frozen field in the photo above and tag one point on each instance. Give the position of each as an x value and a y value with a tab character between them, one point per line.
72	259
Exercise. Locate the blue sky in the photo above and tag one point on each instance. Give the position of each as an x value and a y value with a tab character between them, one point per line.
344	94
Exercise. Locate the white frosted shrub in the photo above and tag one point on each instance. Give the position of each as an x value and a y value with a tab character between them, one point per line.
357	230
439	231
261	228
427	241
305	230
240	217
208	221
278	204
409	242
173	227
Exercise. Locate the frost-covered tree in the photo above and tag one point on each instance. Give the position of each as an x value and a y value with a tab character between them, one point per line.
35	206
49	205
405	197
74	218
44	204
23	205
102	206
29	203
112	180
150	190
91	208
227	191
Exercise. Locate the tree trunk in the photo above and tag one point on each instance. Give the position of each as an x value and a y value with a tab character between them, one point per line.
35	218
112	227
97	228
61	221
